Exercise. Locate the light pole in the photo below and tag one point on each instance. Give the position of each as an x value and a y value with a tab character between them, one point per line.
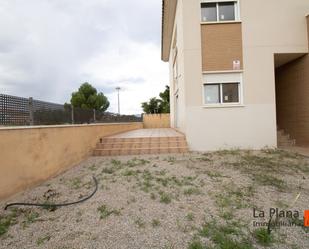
118	89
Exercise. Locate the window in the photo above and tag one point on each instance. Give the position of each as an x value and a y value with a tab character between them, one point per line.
230	93
212	93
222	93
219	12
209	12
227	11
222	89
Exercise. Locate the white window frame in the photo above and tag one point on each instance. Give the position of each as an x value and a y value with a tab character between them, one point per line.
225	80
236	10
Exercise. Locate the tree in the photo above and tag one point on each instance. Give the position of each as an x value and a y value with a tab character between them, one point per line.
165	96
153	106
161	105
87	97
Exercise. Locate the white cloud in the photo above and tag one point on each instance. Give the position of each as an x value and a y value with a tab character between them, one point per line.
48	48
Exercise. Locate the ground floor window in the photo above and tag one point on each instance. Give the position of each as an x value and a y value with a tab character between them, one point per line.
221	89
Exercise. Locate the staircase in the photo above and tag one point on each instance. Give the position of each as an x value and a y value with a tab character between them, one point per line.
111	146
284	139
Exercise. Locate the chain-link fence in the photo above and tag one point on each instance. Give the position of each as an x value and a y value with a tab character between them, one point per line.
22	111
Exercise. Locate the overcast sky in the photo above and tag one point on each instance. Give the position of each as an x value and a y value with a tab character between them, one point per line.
49	47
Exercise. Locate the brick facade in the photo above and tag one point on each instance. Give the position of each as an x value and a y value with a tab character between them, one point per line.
292	91
221	45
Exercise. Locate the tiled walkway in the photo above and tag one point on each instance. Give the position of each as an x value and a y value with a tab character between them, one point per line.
141	133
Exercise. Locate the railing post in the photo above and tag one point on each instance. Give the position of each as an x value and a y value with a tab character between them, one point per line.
72	114
31	118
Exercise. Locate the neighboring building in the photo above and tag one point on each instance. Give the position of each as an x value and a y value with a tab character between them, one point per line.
229	62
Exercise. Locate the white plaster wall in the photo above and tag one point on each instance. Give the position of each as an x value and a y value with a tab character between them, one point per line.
180	91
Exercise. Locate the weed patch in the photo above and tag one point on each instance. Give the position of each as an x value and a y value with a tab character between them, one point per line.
263	237
106	212
155	223
6	221
31	217
165	198
140	223
192	191
137	162
224	235
196	244
40	241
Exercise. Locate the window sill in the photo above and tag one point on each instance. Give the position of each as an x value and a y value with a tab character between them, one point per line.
224	71
222	22
223	106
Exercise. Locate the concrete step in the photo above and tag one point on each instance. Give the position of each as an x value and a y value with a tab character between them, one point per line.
113	146
141	139
287	143
284	139
139	151
151	144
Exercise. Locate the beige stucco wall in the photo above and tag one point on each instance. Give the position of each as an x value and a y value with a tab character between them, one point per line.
156	121
268	27
178	90
28	156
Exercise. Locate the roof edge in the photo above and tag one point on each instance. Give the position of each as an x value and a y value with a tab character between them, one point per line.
168	20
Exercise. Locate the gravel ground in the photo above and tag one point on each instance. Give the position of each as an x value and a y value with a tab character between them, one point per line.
189	201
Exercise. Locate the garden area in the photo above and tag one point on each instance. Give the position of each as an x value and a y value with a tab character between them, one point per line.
186	201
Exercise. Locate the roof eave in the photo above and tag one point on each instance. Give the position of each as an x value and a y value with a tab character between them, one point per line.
168	19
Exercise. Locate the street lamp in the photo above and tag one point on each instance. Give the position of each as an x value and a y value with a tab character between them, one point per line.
118	89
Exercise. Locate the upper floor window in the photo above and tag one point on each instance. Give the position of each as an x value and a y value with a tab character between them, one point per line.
219	11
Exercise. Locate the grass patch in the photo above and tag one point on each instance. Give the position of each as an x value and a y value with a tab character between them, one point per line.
165	198
129	172
226	215
108	170
137	162
224	235
49	206
300	223
233	197
281	204
224	153
227	200
153	196
155	223
8	220
270	180
196	244
171	160
140	223
263	167
76	183
40	241
192	191
106	212
213	174
116	163
93	167
190	217
31	217
263	237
